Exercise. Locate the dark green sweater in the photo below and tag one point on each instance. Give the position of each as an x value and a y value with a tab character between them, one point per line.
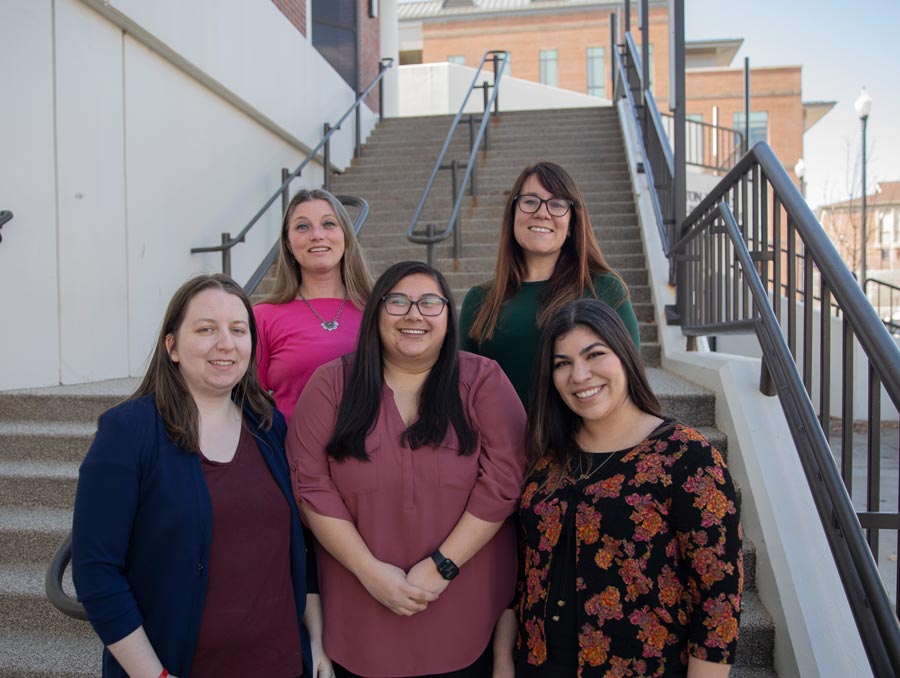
515	339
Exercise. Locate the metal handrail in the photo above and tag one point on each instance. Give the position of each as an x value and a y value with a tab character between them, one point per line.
699	155
891	322
266	264
430	238
228	242
713	298
701	309
5	216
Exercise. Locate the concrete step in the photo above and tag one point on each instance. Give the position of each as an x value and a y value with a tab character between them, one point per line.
45	440
756	641
24	606
38	483
32	535
682	399
482	230
44	654
377	249
78	402
488	184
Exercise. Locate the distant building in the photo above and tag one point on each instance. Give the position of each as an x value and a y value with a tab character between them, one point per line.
566	43
841	220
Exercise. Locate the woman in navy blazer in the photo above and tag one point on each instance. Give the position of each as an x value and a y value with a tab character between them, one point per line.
184	568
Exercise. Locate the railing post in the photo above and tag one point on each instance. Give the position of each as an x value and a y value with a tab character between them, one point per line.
627	16
357	151
496	85
285	192
226	255
429	233
457	242
327	182
484	107
473	186
612	55
766	383
381	69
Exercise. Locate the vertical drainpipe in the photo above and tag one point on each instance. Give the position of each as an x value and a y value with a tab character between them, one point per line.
746	104
680	171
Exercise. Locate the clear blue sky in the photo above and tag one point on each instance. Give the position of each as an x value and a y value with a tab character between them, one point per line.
841	45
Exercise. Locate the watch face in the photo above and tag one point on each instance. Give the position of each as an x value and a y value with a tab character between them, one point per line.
448	569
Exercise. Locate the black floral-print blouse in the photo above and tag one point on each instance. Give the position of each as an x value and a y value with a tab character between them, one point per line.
657	559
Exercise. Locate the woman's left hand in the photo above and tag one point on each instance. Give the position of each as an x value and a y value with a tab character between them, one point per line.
322	667
424	574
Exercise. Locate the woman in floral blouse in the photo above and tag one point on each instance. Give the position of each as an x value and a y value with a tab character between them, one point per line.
630	537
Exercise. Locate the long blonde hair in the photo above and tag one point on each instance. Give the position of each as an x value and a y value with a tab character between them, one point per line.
354	271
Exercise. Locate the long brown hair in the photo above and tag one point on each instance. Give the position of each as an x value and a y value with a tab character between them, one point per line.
580	259
440	404
165	382
354	271
552	426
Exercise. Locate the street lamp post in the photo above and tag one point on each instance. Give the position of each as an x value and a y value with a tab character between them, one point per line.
863	106
800	173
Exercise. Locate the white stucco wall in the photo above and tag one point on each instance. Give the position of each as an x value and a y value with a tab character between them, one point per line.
140	130
439	88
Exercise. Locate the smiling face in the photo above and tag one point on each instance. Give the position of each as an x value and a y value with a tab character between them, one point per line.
413	339
212	346
589	377
540	234
315	237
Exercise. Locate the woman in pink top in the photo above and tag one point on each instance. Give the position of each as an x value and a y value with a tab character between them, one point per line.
321	286
407	461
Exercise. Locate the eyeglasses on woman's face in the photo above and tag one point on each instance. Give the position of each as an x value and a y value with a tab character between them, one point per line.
399	304
557	207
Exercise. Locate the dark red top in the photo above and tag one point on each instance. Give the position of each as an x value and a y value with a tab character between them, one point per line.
404	503
249	624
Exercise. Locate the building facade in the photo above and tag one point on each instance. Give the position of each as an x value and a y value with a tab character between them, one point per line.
566	43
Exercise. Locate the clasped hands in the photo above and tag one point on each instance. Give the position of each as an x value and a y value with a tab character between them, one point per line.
404	593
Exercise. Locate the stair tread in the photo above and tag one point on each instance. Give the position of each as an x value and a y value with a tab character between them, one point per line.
33	654
38	469
49	429
22	519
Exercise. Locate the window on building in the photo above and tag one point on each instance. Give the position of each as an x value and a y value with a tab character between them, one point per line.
457	59
694	139
759	126
596	71
334	35
549	66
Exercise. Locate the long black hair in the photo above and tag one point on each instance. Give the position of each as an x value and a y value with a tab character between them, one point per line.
439	400
552	426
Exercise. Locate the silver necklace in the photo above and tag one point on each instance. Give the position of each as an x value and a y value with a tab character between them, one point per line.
327	325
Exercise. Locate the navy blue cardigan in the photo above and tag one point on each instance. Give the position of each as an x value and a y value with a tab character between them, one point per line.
142	528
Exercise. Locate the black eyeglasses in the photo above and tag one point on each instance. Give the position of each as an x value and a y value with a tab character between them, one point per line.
557	207
399	304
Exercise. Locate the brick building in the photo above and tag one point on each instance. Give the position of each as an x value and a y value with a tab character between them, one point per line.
566	43
841	220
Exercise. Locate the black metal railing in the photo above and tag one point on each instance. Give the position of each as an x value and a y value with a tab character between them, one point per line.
5	216
752	258
325	146
730	273
458	188
885	297
347	200
708	146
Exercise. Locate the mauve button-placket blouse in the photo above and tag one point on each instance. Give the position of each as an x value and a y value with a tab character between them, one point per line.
404	503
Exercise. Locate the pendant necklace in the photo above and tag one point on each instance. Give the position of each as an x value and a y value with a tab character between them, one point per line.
582	476
327	325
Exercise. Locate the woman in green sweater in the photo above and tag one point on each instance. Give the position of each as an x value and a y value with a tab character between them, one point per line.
547	256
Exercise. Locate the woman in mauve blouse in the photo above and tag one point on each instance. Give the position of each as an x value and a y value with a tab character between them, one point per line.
407	459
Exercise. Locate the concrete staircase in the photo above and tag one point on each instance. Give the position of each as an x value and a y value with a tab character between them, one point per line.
44	433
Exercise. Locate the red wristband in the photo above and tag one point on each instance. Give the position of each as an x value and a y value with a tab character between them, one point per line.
164	674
